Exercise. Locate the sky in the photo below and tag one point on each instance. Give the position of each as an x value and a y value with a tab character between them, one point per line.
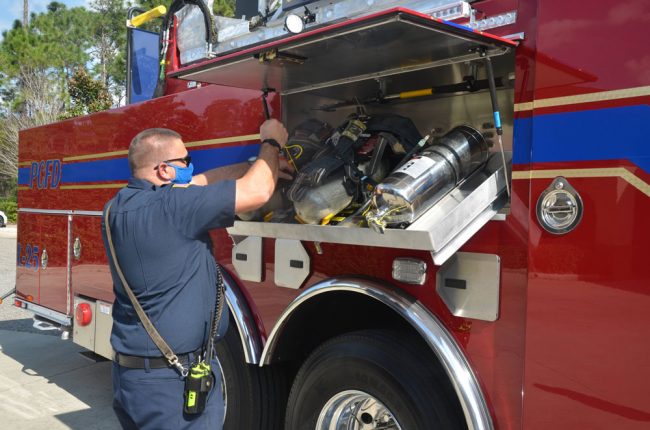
11	10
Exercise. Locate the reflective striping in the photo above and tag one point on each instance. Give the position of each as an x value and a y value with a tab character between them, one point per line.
209	142
608	172
521	107
223	140
91	186
584	98
100	155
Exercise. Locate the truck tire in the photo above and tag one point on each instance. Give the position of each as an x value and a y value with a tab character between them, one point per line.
383	379
255	397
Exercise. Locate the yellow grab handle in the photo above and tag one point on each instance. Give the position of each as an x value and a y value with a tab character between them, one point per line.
154	13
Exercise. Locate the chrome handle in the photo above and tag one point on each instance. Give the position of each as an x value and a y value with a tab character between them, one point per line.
44	259
76	248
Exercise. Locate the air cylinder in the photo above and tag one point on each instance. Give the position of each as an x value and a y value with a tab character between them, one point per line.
422	181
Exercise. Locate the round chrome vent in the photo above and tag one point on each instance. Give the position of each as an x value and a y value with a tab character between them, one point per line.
559	207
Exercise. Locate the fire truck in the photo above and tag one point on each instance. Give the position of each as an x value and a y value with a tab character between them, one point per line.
495	275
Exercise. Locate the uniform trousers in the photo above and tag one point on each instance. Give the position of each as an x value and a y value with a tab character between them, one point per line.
152	399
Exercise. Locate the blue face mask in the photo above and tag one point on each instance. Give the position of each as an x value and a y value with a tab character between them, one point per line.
183	174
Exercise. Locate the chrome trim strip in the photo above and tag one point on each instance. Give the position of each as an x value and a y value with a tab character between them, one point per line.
44	312
427	324
68	275
516	36
88	213
60	211
250	339
46	211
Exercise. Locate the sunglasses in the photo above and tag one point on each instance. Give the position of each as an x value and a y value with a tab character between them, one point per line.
187	160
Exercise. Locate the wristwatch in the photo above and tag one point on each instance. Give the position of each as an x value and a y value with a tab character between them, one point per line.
273	142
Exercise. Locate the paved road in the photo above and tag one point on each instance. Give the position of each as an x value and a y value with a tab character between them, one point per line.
44	382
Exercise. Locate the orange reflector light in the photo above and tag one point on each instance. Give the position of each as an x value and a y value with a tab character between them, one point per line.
83	314
30	298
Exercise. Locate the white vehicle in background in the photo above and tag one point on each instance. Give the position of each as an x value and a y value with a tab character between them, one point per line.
3	219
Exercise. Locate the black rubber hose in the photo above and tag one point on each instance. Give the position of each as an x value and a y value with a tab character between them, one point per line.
210	34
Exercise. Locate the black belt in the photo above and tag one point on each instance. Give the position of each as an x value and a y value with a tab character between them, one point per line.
135	362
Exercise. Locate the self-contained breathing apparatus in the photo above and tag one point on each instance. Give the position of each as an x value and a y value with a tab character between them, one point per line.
338	168
372	171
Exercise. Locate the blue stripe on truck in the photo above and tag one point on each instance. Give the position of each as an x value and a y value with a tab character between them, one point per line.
117	169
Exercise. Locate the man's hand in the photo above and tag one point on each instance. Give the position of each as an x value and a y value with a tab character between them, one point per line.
256	186
285	169
274	129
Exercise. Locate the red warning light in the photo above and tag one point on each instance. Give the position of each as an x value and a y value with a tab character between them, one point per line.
83	314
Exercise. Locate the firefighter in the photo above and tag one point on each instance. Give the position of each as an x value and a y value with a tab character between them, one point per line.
159	228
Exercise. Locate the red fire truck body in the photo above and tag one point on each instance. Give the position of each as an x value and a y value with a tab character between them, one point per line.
569	348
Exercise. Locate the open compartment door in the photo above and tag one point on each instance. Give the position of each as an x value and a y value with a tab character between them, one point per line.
340	61
394	41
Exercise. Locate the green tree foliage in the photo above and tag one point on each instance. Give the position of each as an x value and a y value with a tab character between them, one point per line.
224	7
109	42
87	95
55	43
56	40
150	4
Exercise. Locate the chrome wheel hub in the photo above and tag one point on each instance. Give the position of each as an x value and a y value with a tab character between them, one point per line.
355	410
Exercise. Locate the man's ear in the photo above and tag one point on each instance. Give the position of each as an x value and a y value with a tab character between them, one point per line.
166	172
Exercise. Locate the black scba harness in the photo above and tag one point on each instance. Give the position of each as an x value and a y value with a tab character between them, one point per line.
340	152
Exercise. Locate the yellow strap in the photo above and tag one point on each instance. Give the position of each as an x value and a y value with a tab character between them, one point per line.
149	15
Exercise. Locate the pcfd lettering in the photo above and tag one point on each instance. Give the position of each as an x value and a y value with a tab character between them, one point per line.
45	174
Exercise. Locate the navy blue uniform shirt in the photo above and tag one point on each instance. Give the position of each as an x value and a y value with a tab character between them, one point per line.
160	234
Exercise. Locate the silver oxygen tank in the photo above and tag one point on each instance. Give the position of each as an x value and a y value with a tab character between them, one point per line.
423	180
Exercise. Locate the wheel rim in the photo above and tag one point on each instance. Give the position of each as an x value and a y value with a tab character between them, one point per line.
356	410
223	392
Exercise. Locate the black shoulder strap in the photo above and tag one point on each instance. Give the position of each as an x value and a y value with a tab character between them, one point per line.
146	322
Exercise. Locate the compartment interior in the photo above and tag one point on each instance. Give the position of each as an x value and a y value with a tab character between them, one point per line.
364	66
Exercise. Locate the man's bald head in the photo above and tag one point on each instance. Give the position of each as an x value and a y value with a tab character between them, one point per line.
151	147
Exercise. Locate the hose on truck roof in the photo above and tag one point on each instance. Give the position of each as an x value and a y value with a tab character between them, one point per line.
210	35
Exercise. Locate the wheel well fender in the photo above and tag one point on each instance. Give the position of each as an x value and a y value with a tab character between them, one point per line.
337	305
241	314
